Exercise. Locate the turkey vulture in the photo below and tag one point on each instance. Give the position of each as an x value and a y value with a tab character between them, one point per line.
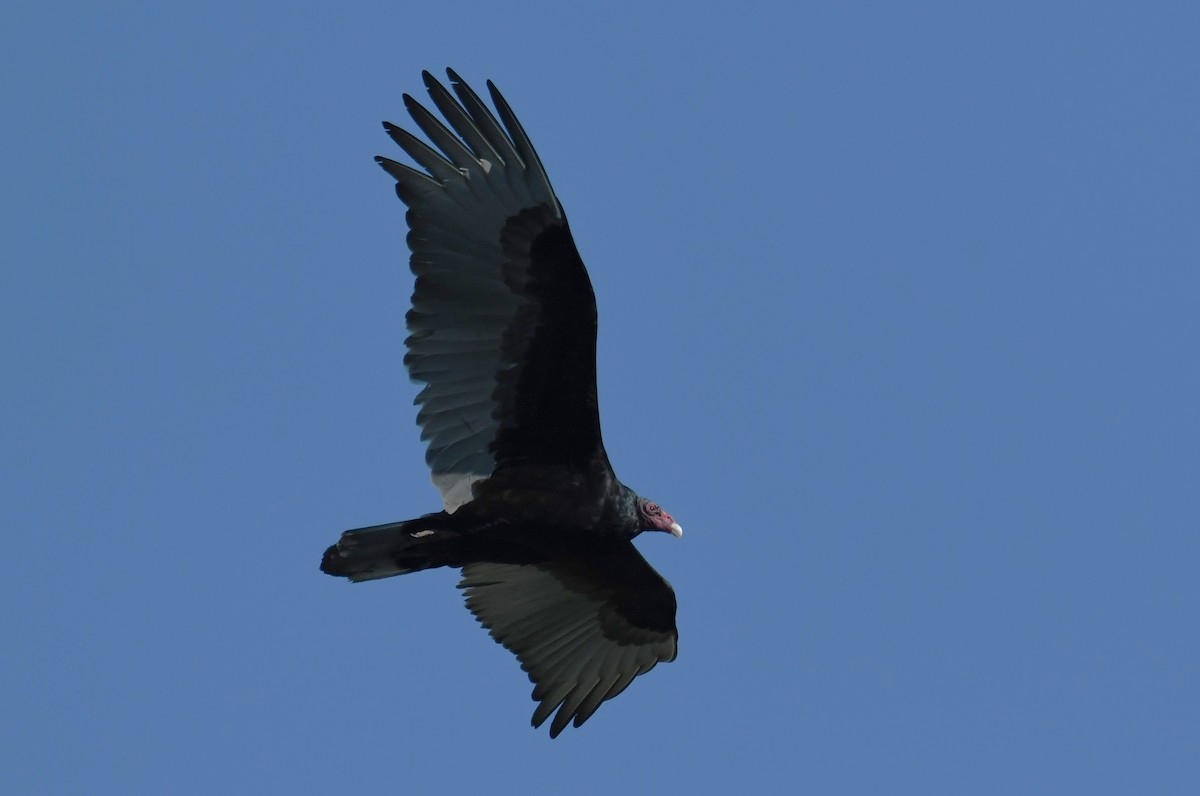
502	334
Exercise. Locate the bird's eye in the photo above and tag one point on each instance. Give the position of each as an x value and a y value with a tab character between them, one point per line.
652	508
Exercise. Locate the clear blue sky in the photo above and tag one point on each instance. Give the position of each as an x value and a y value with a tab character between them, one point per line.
898	317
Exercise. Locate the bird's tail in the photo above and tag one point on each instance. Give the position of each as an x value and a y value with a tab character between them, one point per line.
397	548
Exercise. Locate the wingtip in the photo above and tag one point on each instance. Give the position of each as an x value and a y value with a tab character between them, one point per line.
384	163
537	721
430	80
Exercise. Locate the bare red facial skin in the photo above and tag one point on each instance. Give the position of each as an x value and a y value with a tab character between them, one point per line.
653	518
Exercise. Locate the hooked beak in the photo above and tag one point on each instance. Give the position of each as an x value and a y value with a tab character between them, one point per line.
676	531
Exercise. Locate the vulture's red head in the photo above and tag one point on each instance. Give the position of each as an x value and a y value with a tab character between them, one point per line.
651	517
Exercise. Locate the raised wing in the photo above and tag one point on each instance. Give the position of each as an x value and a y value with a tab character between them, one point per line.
582	628
503	322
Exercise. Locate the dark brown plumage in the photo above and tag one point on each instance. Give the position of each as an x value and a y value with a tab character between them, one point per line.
502	334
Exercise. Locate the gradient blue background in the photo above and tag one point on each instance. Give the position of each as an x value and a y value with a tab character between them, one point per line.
898	317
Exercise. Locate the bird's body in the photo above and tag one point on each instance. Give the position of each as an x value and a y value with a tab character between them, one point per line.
503	336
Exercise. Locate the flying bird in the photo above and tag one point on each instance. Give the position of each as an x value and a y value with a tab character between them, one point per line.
502	334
